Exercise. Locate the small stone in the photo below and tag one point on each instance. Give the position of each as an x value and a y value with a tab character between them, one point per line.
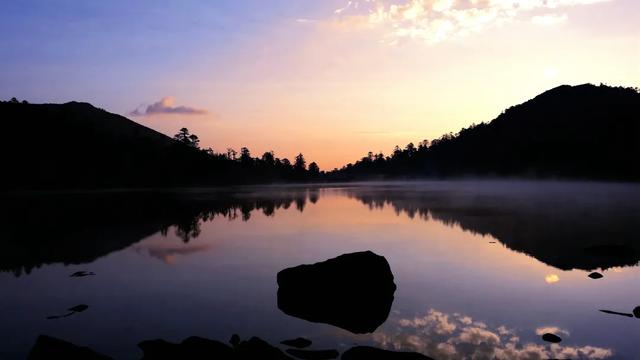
552	338
596	275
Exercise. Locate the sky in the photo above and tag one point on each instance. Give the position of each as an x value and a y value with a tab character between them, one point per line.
332	79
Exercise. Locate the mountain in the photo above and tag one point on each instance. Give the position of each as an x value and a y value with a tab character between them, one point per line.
76	145
586	131
583	131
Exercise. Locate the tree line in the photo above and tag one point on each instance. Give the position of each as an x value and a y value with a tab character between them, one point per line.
585	131
264	168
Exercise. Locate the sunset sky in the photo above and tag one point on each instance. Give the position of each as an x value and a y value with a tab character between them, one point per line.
332	79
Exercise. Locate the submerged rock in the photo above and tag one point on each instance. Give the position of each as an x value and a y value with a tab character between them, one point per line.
552	338
299	343
596	275
82	274
369	353
313	354
49	348
72	310
352	291
616	313
78	308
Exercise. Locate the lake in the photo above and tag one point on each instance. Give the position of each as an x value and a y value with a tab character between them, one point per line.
482	268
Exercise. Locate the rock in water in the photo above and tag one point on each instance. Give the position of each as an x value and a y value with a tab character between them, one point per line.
313	354
616	313
82	274
256	348
191	348
49	348
636	312
352	291
369	353
299	343
596	275
552	338
78	308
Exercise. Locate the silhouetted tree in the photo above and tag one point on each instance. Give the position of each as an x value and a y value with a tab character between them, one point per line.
231	154
314	170
300	164
184	137
245	157
564	132
268	158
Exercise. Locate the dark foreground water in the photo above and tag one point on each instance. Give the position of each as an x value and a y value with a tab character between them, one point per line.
482	268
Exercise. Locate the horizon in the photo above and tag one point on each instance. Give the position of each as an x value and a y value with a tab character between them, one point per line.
331	80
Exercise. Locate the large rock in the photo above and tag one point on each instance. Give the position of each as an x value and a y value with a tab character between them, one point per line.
352	291
49	348
368	353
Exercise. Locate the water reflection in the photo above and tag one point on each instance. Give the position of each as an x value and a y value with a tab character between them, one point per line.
79	228
226	248
567	226
458	336
558	224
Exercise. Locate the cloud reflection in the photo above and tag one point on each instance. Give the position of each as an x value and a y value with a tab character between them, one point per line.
551	279
168	253
457	336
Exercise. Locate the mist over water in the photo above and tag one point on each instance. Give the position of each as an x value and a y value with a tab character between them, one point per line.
482	268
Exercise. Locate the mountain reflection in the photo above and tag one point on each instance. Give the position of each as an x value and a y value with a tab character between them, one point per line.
76	228
577	229
567	226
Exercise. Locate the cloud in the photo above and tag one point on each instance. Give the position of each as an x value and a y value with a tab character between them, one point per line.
549	19
458	336
166	106
434	21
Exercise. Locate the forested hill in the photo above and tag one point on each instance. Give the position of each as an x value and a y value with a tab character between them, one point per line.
76	145
585	131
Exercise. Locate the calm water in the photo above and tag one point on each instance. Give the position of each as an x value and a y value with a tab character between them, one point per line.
482	268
